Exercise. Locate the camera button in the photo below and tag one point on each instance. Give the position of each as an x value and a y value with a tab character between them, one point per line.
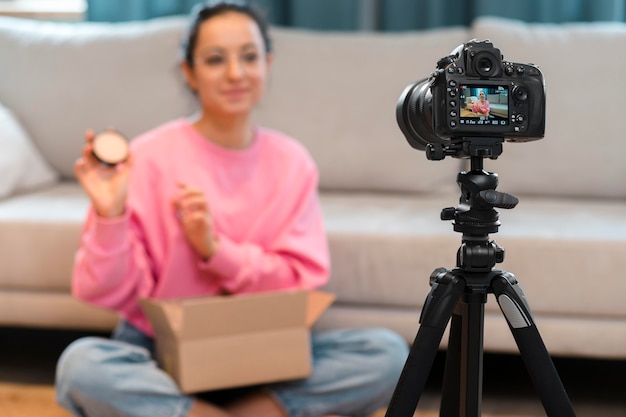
519	70
452	123
452	83
453	104
520	118
453	113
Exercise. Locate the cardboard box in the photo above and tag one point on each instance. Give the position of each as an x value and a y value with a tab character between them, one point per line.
221	342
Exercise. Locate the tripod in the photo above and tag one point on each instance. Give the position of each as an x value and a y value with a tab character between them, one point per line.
459	296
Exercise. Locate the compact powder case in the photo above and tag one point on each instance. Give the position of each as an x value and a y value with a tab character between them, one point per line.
110	147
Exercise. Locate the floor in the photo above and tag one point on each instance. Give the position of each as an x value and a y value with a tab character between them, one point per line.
597	388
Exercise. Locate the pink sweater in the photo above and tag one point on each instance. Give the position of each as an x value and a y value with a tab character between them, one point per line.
266	215
481	107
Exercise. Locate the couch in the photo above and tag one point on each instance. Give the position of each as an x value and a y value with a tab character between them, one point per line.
498	104
337	93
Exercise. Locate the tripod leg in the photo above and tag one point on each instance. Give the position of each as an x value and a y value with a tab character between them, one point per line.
442	298
451	389
534	353
463	379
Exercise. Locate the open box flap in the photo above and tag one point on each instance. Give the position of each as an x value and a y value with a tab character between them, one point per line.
165	316
317	303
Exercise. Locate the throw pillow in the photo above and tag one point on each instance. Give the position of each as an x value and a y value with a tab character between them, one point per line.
22	167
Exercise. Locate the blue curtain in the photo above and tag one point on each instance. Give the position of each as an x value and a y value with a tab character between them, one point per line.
277	11
385	15
422	14
124	10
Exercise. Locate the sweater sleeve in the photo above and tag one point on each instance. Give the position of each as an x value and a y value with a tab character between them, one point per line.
111	268
297	258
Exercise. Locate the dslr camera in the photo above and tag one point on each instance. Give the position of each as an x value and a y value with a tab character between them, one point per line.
473	95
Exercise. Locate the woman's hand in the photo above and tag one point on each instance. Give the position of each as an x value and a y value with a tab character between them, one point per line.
195	217
107	187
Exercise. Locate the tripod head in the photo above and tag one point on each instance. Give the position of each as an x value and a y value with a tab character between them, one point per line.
476	215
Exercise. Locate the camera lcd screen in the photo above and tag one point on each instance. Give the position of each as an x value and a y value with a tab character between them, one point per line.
484	105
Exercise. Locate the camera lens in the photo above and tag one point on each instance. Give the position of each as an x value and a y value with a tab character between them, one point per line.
414	115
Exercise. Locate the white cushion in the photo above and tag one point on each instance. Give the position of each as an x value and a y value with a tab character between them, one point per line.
337	93
22	167
582	152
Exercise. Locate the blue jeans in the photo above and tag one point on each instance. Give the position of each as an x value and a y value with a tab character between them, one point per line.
354	374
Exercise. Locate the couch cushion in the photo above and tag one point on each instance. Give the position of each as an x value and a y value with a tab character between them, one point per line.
337	93
582	152
62	78
384	249
52	310
39	236
353	137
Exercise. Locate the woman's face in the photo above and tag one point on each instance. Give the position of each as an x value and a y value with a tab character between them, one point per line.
481	96
230	65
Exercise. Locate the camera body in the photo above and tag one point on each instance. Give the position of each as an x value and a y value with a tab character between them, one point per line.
474	93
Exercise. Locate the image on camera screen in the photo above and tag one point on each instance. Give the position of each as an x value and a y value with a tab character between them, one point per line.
484	105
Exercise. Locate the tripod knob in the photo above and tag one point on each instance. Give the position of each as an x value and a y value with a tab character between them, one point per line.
493	198
435	152
437	274
448	213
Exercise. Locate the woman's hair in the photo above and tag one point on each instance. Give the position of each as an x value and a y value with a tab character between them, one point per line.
208	9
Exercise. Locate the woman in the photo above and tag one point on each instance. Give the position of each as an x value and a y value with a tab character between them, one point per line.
481	107
203	206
